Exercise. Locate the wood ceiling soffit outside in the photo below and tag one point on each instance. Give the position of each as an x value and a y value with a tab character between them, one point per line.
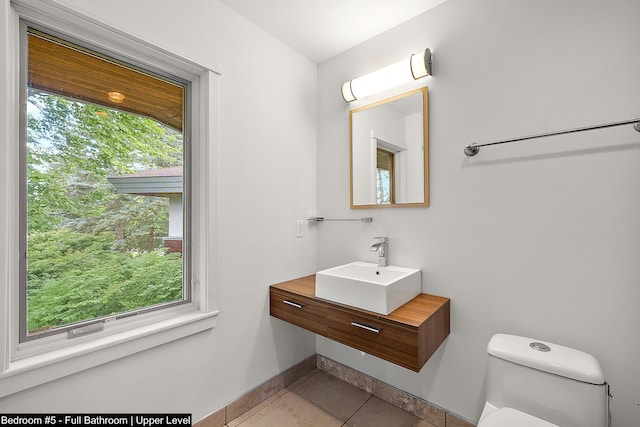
63	70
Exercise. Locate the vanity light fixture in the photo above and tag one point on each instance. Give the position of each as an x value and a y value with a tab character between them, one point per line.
415	67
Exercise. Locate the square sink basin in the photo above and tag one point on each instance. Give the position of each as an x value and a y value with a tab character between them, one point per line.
368	286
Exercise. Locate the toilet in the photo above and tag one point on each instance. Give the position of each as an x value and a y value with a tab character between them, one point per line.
531	383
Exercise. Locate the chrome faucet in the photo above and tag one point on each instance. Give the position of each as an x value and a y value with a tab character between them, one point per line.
382	247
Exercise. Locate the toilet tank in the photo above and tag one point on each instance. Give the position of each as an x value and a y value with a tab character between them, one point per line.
558	384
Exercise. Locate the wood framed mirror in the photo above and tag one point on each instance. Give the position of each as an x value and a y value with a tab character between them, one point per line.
389	149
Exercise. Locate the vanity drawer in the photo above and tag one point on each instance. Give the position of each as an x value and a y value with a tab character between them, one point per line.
300	311
376	336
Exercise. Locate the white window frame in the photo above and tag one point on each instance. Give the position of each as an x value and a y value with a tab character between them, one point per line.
25	365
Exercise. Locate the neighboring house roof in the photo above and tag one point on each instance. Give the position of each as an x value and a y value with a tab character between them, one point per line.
157	182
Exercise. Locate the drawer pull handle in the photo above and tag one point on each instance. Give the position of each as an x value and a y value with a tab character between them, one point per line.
368	328
293	304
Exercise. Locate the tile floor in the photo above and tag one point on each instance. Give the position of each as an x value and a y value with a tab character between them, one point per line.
321	400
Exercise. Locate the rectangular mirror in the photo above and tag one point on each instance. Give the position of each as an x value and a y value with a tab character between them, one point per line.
389	142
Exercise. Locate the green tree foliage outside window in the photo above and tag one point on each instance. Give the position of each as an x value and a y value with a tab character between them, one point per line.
91	251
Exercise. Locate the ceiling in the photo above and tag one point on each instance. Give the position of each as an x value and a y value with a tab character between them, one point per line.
68	70
321	29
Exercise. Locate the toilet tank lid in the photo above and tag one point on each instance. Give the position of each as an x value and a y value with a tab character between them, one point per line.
558	360
509	417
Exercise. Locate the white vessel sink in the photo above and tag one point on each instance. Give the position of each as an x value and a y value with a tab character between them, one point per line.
367	286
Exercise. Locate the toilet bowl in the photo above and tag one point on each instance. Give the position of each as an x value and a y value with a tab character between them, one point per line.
531	383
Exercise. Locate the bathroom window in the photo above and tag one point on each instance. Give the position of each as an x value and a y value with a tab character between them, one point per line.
385	177
167	234
105	189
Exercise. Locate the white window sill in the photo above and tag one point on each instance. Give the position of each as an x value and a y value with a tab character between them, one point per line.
38	369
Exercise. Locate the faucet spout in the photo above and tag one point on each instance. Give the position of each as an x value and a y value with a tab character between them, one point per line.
382	247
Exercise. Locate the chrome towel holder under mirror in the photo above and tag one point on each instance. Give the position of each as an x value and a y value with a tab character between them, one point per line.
473	149
323	219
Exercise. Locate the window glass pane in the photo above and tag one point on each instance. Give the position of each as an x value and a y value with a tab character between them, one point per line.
384	177
104	188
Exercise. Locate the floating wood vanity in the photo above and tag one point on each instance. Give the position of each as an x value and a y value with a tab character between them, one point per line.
407	337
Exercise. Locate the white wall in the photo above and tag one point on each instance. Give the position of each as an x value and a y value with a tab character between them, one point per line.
267	180
540	239
175	215
412	170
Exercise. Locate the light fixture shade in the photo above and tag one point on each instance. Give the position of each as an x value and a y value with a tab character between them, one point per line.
115	97
418	66
421	64
347	94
